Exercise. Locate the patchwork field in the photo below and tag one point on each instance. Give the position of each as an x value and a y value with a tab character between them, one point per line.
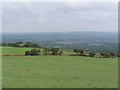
57	71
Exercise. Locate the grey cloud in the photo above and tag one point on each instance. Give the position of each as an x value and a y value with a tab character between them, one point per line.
59	17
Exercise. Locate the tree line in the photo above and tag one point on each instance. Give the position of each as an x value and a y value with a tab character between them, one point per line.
21	44
57	51
76	52
79	52
45	51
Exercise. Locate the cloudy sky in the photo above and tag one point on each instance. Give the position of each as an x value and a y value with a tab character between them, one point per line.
59	16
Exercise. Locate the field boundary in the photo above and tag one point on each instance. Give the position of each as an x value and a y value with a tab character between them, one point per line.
12	55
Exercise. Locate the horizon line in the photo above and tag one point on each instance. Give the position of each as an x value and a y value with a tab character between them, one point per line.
60	32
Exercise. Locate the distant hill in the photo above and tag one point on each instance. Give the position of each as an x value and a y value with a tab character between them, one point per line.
89	41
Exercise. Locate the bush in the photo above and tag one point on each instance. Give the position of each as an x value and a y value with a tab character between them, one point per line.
91	54
33	52
78	52
27	53
60	52
105	55
46	51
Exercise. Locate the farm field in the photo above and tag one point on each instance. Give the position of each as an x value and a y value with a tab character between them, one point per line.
59	45
14	50
57	71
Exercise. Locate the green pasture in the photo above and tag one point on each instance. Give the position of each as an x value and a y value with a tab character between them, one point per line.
58	71
14	50
17	50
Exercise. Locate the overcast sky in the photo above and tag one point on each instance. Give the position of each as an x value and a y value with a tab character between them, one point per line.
59	17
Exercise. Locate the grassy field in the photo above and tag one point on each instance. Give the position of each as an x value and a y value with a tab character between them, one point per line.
14	50
58	71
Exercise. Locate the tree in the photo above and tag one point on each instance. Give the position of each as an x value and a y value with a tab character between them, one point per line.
55	51
118	55
17	44
46	51
81	52
91	54
112	55
105	55
27	53
28	44
78	52
60	52
75	51
52	51
33	52
35	45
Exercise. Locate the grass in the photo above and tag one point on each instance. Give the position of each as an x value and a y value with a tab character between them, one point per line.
59	72
14	50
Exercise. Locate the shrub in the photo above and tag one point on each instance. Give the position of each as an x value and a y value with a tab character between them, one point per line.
91	54
27	53
33	52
